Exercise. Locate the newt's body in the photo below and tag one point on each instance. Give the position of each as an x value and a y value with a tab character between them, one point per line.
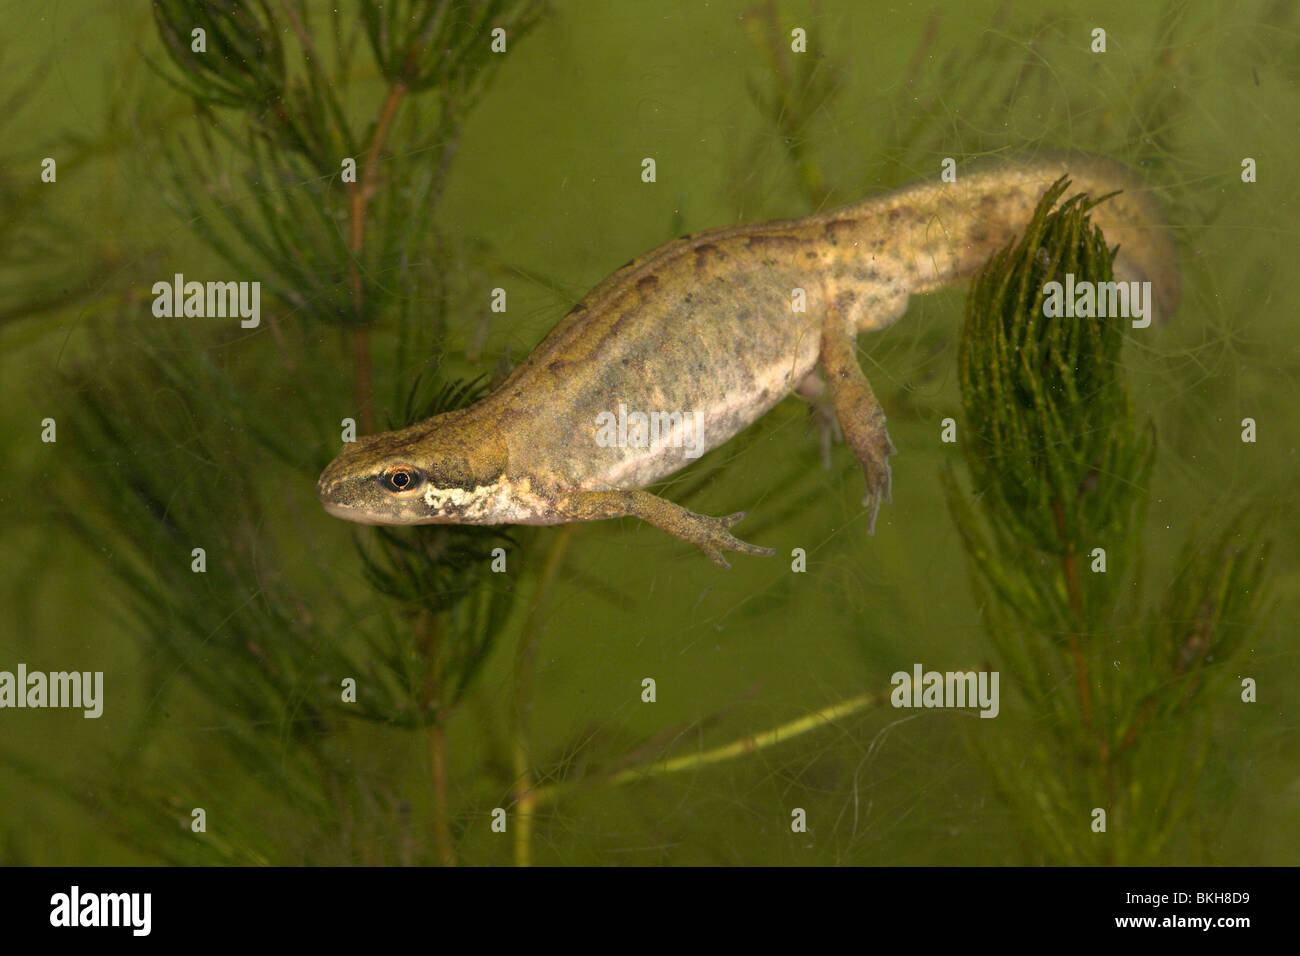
709	324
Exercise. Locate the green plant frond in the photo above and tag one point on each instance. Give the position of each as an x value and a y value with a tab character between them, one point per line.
1060	472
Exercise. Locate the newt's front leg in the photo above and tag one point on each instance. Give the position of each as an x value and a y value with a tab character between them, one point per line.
858	412
709	534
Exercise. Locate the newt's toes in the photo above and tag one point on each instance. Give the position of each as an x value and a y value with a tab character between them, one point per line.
720	539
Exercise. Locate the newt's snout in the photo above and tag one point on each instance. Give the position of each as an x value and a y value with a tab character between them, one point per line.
348	488
331	483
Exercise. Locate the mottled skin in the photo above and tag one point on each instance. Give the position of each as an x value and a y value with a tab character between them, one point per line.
707	324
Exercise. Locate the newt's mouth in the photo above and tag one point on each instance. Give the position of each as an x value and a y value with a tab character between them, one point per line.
359	515
348	512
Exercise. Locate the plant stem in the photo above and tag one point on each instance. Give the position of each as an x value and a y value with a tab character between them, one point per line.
362	387
426	640
1070	570
438	767
362	190
525	796
741	747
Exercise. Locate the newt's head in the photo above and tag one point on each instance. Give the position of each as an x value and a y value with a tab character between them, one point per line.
445	470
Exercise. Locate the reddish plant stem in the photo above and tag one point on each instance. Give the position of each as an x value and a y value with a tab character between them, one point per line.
1070	568
362	191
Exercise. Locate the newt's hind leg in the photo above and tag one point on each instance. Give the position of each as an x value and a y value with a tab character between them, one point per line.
821	413
858	412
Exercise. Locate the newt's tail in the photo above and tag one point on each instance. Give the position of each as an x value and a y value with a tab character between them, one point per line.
952	229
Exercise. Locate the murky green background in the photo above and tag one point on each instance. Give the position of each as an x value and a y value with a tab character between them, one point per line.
546	181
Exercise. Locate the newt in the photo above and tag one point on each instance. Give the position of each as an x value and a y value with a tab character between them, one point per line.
707	333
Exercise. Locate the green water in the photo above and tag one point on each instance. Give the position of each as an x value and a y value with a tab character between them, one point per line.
544	197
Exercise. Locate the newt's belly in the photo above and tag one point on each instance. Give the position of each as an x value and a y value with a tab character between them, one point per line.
676	374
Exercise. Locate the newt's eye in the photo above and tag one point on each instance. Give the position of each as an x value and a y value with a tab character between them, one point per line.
401	478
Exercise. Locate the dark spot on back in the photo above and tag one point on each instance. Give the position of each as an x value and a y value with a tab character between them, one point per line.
703	251
833	229
767	240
